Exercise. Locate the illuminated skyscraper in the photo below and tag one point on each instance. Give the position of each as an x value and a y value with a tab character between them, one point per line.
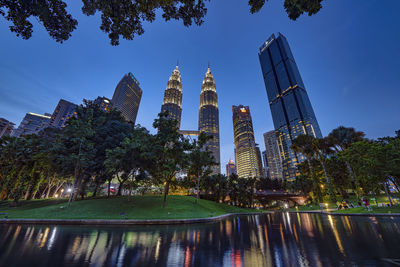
173	97
291	109
247	164
230	168
32	123
62	113
209	116
127	96
272	157
259	162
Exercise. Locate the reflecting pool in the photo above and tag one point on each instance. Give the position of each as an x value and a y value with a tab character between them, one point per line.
279	239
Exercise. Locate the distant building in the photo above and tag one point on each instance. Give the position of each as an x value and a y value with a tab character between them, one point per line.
265	161
259	162
6	127
32	123
245	147
230	168
272	156
127	96
172	101
209	117
62	113
291	109
103	102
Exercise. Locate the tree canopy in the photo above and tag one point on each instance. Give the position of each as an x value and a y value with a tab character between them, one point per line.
122	18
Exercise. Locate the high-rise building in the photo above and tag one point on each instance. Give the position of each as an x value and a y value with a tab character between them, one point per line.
230	168
245	146
62	113
127	96
209	117
6	127
291	109
103	102
259	162
272	156
265	161
173	97
32	123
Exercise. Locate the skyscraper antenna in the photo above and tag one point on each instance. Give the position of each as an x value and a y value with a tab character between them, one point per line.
208	64
177	62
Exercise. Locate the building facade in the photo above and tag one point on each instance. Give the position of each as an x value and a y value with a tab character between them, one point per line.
32	123
127	96
62	113
6	127
259	162
209	117
103	102
265	162
291	109
272	156
230	168
172	102
245	147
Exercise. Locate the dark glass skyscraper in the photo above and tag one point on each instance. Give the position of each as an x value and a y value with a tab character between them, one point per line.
32	123
209	116
291	109
173	97
127	96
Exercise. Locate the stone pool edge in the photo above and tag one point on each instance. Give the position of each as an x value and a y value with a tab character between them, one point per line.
346	214
124	222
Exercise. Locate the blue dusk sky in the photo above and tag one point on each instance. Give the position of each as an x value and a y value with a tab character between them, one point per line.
348	55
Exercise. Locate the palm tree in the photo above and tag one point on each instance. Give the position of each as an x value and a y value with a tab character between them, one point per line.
304	145
342	138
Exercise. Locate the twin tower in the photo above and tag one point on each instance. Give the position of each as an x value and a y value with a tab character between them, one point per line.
208	111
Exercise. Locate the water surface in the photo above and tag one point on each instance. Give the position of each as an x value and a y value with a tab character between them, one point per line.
279	239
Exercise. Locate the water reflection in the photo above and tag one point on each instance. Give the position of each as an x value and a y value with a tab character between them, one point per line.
280	239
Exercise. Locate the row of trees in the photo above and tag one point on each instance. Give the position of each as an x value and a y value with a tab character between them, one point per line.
93	149
345	161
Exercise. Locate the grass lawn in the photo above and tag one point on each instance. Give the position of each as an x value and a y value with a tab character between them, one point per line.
139	207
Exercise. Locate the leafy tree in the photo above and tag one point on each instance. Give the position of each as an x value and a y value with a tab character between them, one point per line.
342	138
121	18
167	155
200	160
127	160
304	145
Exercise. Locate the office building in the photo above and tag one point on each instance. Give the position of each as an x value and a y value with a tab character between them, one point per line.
290	106
265	162
259	162
127	96
32	123
6	127
209	117
172	102
230	168
103	102
245	147
62	113
272	156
